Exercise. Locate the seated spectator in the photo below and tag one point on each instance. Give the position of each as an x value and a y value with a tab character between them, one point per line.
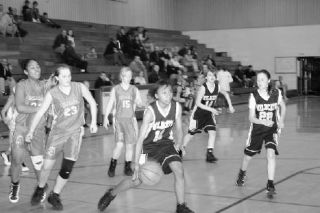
174	66
70	36
73	59
283	87
138	49
26	11
16	20
7	25
35	12
5	75
103	80
114	49
123	39
140	79
189	62
92	54
239	76
60	42
154	75
194	54
142	35
183	50
45	20
137	66
165	58
155	56
250	76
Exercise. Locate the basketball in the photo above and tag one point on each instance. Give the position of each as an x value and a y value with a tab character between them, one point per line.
150	173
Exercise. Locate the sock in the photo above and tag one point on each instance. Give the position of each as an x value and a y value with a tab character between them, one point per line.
210	150
15	183
270	182
242	172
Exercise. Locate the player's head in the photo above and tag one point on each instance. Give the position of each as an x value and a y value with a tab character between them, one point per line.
163	92
31	68
263	79
63	75
125	75
211	76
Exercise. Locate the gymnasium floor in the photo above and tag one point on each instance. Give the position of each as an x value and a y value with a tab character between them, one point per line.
209	187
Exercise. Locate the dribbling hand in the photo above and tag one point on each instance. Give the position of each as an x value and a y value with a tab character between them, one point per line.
135	175
231	110
268	123
215	112
93	128
106	123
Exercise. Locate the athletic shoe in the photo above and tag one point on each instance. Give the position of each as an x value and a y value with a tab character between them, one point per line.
24	168
182	208
112	167
14	193
127	168
5	157
54	200
241	177
270	190
39	195
210	156
105	201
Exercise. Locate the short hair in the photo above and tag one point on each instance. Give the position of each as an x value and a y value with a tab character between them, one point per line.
60	67
161	83
25	62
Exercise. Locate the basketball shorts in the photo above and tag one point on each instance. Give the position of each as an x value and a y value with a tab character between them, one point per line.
204	122
126	130
68	143
36	147
162	152
256	140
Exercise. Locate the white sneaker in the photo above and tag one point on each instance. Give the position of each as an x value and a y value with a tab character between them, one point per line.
5	159
24	168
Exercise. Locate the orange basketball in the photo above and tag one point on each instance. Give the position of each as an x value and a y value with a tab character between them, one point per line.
150	173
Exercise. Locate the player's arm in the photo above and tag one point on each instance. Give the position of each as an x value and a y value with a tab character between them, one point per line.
282	111
7	106
20	105
252	113
200	94
147	119
227	96
44	107
179	126
138	100
109	107
93	107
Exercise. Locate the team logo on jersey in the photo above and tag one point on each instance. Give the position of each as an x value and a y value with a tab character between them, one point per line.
209	97
267	107
51	151
162	124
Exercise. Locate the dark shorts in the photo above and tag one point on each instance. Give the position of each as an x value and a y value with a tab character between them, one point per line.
162	152
255	142
201	121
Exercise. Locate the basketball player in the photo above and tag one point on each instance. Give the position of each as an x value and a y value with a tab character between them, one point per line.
203	115
264	106
66	133
156	141
124	97
28	98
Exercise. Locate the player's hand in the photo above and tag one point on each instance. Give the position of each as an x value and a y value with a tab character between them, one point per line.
280	124
93	128
106	123
231	109
135	175
214	111
268	123
29	137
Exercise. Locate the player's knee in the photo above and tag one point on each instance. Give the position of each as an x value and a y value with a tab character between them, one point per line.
177	169
249	153
119	145
271	154
37	162
66	168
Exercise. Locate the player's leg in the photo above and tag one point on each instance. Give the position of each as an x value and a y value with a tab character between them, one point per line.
211	142
130	137
192	130
271	146
119	138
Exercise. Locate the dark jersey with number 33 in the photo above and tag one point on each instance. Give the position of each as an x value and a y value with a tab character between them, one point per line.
208	99
160	131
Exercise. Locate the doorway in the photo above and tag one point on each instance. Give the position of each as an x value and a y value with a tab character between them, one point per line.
309	79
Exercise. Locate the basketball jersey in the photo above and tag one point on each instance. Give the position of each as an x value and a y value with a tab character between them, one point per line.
68	109
34	95
160	130
125	101
208	99
266	110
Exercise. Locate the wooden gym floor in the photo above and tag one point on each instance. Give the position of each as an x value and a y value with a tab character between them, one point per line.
209	187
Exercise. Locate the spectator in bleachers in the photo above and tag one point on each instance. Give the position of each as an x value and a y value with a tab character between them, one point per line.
174	66
123	39
155	56
26	11
138	49
137	66
189	62
45	20
154	75
239	76
193	52
16	19
5	75
92	54
103	80
142	34
165	58
7	25
140	79
211	64
184	50
35	12
250	76
70	36
73	59
114	49
60	42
